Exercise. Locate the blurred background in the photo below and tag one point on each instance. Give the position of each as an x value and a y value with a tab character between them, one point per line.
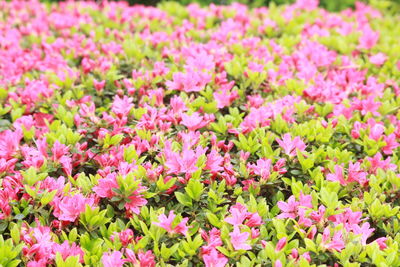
331	5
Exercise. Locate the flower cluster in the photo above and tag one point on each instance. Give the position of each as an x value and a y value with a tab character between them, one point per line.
198	136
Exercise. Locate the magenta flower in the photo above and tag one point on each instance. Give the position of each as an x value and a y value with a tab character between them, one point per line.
278	263
70	207
184	162
391	144
289	209
125	236
355	174
122	106
281	244
319	215
166	223
381	242
376	162
194	121
365	231
334	243
136	201
239	240
9	143
378	59
40	241
192	81
239	214
213	240
292	207
368	39
143	259
262	168
253	220
67	250
113	259
290	145
376	131
214	259
214	162
337	176
99	85
105	186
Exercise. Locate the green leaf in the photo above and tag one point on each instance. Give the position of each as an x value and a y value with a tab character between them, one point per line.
48	197
214	220
183	199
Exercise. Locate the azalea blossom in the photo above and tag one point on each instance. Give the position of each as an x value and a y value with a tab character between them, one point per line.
113	259
70	207
166	223
239	239
290	145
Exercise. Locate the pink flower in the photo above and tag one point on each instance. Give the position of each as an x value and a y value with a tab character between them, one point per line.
125	236
281	244
166	223
213	240
9	142
377	162
224	96
337	176
348	218
214	259
289	145
105	186
391	144
239	214
239	240
67	250
303	220
376	131
41	242
318	216
307	4
278	263
70	207
253	220
122	106
135	202
112	259
143	259
369	105
7	165
255	233
262	168
99	86
184	162
279	166
368	39
355	174
378	59
365	231
194	121
334	243
192	81
355	132
289	209
38	263
214	162
177	104
381	242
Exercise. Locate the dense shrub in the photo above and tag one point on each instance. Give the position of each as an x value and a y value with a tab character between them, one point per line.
331	5
191	136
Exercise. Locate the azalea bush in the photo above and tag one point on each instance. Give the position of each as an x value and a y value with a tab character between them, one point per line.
198	136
